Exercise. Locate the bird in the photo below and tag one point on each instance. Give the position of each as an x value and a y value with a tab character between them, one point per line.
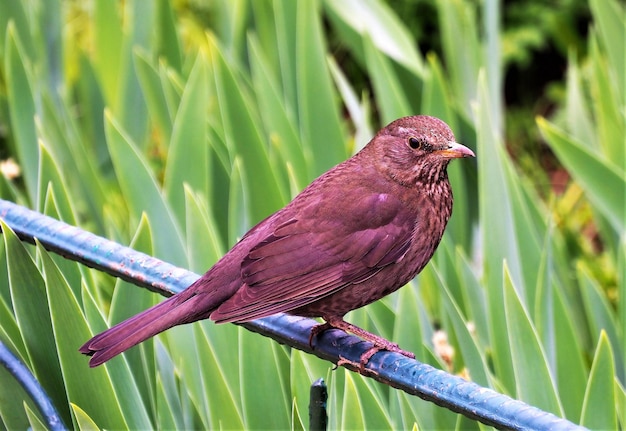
357	233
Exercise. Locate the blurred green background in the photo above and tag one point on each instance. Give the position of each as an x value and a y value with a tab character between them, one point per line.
174	126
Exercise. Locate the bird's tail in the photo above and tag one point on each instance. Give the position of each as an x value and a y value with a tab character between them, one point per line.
174	311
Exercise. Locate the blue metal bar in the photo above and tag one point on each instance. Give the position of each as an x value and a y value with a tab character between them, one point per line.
413	377
32	387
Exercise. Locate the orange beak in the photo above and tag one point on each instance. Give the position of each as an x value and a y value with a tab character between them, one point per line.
456	151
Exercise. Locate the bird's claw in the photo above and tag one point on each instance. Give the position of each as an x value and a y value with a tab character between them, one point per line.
357	366
316	330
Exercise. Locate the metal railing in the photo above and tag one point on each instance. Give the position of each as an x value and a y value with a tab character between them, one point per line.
411	376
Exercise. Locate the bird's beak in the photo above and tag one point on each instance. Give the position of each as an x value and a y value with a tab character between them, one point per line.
455	151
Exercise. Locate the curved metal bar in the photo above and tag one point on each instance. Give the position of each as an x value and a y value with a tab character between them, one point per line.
32	387
413	377
94	251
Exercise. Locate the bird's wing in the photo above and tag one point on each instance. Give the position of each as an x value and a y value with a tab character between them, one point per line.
318	252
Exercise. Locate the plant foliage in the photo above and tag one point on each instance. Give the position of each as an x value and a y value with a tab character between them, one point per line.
174	127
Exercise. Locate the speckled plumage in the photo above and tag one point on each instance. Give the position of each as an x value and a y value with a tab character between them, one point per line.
357	233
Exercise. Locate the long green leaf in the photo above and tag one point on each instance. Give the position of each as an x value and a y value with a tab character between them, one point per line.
317	107
265	372
21	103
134	376
143	194
150	82
89	388
244	137
535	383
571	370
375	20
278	118
33	318
456	21
498	234
389	93
610	18
604	185
600	314
599	408
188	158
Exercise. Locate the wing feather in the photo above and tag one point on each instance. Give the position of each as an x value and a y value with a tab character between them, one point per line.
309	257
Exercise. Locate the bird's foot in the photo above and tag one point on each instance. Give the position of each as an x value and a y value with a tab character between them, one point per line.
318	329
379	342
391	347
359	366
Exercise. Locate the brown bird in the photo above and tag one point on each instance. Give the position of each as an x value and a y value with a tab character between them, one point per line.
357	233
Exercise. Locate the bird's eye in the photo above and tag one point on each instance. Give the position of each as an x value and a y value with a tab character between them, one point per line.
415	143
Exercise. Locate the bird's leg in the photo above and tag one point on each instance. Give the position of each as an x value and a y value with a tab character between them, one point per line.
379	342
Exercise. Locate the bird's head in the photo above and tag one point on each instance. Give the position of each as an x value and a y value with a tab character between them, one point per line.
416	149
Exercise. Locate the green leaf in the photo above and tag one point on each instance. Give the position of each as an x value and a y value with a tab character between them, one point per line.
130	107
33	318
168	402
239	221
352	412
244	138
372	404
389	93
12	399
609	116
457	22
204	244
436	100
620	402
278	118
284	39
143	194
16	13
71	270
77	154
600	314
108	39
22	112
91	389
621	293
599	407
150	81
592	173
375	21
9	331
52	183
407	330
579	121
134	376
570	368
497	234
189	147
35	423
84	422
184	348
220	375
609	18
317	107
534	381
360	111
167	43
470	351
264	367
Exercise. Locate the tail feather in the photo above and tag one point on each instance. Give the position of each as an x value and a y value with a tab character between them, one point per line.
133	331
